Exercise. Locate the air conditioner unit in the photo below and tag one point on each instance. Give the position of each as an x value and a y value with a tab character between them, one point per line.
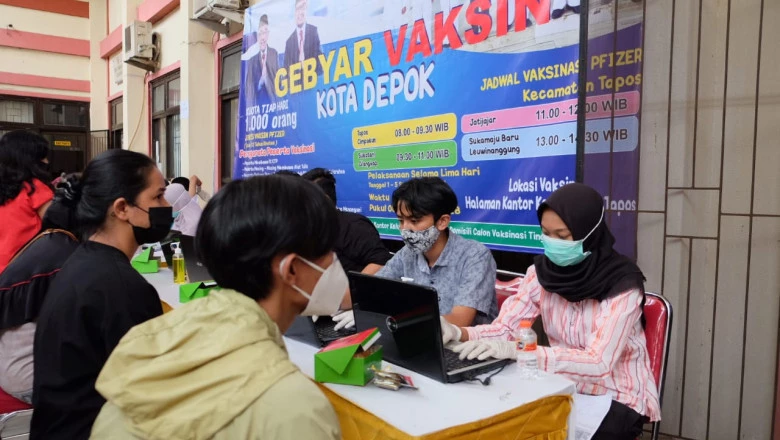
218	14
138	41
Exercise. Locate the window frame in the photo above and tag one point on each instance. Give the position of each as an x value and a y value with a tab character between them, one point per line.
114	125
164	116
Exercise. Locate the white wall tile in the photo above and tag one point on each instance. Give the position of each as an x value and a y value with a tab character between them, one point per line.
650	248
767	190
740	106
761	335
676	291
693	212
729	327
699	342
683	102
712	71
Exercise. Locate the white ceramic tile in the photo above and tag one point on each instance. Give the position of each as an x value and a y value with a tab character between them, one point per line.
693	212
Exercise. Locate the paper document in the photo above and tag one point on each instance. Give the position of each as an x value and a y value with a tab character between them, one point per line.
589	412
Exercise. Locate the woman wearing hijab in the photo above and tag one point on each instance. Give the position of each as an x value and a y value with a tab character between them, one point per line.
590	299
186	210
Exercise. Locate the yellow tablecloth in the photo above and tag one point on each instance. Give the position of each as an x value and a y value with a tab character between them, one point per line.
544	419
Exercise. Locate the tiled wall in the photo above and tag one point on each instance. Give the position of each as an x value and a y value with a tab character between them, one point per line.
709	208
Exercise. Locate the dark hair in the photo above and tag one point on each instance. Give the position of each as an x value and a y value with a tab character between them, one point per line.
426	195
112	175
62	212
21	156
324	179
287	173
250	221
183	181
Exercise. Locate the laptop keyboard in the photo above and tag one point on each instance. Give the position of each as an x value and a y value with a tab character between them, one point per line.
326	332
453	362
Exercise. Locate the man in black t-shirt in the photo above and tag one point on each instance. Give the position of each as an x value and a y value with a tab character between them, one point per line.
359	247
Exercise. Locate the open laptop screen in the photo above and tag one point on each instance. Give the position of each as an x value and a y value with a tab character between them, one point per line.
407	316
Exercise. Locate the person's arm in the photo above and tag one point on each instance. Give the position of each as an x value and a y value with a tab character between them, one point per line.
371	269
476	287
41	198
365	246
524	305
194	184
461	316
42	209
394	269
606	343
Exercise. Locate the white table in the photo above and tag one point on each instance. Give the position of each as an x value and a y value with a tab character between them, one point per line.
434	406
163	282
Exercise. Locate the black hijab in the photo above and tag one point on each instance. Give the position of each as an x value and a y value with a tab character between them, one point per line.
603	274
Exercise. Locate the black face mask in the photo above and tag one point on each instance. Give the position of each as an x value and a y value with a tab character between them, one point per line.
160	222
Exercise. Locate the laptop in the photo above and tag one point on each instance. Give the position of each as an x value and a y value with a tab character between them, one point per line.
196	271
407	316
316	333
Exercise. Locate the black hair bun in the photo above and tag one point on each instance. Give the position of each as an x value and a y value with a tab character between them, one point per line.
69	188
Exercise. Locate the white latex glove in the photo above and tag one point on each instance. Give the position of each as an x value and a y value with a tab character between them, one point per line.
488	348
344	319
449	332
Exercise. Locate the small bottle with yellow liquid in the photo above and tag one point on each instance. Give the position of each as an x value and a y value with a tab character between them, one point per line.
179	270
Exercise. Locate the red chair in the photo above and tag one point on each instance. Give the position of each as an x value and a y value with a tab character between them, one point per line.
505	289
658	330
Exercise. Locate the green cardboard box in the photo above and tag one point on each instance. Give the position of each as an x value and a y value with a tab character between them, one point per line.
145	263
188	292
349	360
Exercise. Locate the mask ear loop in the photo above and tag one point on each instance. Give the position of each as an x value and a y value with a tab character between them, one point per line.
281	273
595	227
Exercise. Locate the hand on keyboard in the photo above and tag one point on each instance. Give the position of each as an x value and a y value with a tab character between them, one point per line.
489	348
449	332
344	319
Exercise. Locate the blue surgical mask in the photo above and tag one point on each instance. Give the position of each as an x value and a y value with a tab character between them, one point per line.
567	252
176	214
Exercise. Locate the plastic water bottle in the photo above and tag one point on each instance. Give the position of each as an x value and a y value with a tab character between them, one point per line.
526	352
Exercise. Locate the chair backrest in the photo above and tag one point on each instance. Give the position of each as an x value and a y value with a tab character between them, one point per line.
658	329
15	425
505	289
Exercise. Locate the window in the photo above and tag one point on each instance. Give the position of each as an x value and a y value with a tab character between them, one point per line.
70	115
116	126
166	125
230	77
20	112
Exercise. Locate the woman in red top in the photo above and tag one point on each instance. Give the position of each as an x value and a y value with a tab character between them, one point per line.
24	191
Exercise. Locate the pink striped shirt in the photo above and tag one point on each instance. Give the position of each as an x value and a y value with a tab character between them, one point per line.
600	345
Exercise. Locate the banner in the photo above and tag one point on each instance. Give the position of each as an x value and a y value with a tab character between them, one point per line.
480	93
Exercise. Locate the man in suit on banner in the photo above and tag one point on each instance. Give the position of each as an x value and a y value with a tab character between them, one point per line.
262	67
304	42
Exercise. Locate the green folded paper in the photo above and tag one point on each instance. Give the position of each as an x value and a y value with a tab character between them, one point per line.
188	292
349	360
145	263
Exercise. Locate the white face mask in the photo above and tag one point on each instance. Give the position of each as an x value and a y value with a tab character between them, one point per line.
326	297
